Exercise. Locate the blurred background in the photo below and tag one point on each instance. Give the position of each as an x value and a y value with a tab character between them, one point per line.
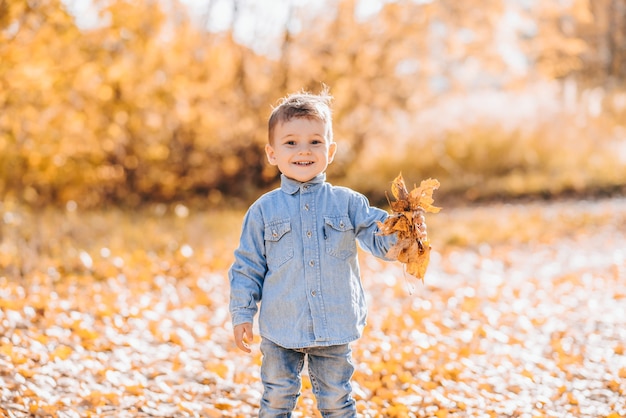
126	103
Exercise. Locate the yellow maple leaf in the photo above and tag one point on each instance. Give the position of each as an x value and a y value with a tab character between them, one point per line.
422	197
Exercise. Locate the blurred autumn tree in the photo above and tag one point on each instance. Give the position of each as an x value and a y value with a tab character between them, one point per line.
583	39
149	106
143	107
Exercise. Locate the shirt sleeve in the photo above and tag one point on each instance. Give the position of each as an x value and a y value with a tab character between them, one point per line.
366	218
247	272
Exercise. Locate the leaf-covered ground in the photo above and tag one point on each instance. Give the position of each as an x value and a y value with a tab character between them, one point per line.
522	314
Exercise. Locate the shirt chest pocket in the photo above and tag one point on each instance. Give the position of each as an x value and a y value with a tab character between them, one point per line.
278	243
339	236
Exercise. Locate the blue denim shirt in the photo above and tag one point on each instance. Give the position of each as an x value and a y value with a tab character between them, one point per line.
298	258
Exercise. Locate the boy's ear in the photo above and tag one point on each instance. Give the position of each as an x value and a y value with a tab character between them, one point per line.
269	151
332	149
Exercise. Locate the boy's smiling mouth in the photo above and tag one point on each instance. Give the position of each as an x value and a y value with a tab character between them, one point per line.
303	163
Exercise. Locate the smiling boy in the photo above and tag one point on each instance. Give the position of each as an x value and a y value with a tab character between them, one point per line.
297	259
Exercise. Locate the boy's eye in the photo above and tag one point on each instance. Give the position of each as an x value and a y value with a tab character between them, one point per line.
316	142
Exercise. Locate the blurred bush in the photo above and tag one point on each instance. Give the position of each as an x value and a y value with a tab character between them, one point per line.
556	153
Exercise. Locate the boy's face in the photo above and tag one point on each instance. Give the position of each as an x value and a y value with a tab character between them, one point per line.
300	148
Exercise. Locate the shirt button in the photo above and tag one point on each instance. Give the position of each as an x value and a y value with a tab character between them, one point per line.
306	207
308	234
313	293
311	263
274	234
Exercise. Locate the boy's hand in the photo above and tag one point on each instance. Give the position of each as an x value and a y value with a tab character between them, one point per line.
420	223
243	336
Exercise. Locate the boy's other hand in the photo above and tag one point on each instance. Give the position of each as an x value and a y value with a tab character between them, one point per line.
420	223
243	336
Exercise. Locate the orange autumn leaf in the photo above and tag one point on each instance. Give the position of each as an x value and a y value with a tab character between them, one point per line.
408	222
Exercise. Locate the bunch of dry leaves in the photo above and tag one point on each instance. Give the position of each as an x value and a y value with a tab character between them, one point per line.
408	222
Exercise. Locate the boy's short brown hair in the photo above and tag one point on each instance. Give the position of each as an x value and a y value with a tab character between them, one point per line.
303	105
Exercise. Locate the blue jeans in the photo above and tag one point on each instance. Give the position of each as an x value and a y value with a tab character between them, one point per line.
330	371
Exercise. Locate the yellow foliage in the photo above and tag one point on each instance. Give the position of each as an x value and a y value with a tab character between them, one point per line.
147	106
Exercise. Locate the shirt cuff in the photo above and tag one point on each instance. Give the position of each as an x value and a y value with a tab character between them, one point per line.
242	316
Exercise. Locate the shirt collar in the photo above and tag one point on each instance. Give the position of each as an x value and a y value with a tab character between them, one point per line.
291	186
